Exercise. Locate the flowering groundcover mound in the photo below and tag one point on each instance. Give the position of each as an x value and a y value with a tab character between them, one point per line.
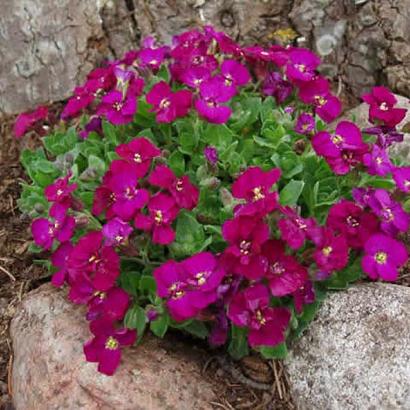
197	187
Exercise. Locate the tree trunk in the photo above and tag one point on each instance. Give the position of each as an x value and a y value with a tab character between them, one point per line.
48	46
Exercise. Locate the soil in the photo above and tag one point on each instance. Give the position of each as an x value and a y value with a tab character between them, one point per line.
250	384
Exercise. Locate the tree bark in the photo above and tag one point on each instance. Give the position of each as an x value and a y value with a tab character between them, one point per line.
48	46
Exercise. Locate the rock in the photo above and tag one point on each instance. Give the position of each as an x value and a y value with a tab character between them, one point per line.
359	115
356	353
50	371
47	47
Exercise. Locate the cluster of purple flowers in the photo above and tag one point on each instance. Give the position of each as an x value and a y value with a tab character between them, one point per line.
345	149
92	266
273	257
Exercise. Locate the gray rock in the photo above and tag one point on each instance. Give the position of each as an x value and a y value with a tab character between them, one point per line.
50	371
356	353
47	47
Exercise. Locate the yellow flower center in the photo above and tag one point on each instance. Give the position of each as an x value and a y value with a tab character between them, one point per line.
337	139
300	67
258	193
100	295
244	246
277	269
117	106
320	101
200	277
379	160
381	257
137	158
260	318
383	106
59	192
179	186
327	250
352	221
158	217
111	343
165	103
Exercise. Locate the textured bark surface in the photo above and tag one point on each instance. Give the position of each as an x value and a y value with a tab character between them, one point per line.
47	46
50	372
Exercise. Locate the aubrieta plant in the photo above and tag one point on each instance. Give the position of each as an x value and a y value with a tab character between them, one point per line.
198	187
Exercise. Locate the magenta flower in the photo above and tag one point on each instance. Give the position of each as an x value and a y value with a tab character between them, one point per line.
302	65
382	103
383	257
213	93
331	252
139	152
171	285
219	331
317	93
305	124
343	150
386	136
211	155
276	86
59	260
245	236
169	105
91	258
293	228
117	109
285	275
116	232
401	176
81	99
377	161
267	325
183	191
129	198
104	198
189	286
152	57
28	120
60	191
94	125
61	227
234	75
194	76
254	186
351	221
393	217
305	295
162	211
101	78
110	305
105	347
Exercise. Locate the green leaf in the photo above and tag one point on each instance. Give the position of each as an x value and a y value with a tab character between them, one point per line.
136	318
342	278
196	328
97	164
59	142
159	326
276	352
190	236
147	284
290	194
238	346
129	281
176	162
